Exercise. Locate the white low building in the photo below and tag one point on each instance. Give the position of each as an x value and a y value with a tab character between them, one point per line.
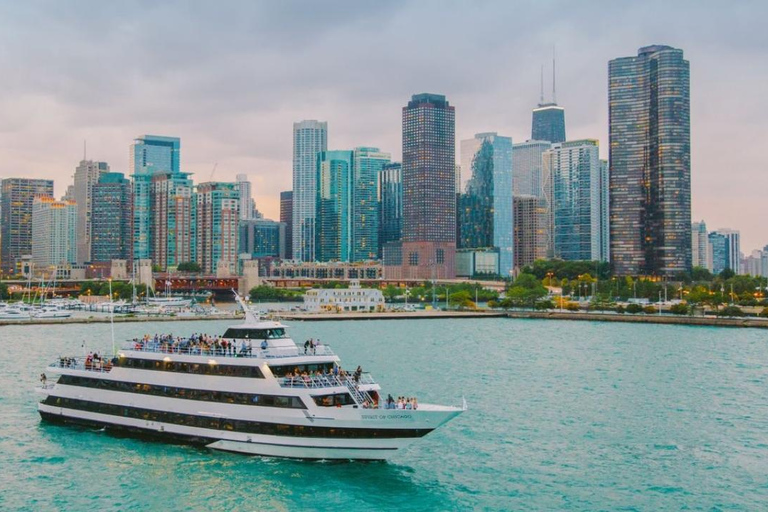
353	298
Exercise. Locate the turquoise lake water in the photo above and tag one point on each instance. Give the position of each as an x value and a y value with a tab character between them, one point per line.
562	416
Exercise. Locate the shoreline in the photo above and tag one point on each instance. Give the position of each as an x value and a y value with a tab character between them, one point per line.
742	322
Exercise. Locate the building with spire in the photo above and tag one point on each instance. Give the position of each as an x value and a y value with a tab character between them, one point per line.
87	174
548	121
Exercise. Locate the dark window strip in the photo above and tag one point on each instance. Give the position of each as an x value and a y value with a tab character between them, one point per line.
243	426
205	395
223	370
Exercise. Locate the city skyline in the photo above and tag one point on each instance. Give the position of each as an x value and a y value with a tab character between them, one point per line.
247	128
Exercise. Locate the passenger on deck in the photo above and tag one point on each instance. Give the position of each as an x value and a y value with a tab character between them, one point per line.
264	345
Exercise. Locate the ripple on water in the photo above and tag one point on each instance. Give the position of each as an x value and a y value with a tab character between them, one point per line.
563	415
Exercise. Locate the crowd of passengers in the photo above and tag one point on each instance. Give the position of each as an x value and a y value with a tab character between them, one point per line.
196	344
93	361
298	378
401	403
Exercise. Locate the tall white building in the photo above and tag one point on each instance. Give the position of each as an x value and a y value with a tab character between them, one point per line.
54	232
701	250
86	176
247	204
309	139
578	191
527	170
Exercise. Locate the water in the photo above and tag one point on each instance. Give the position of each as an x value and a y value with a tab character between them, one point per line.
562	415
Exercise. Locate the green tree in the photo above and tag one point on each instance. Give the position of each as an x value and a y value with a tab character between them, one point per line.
726	274
189	266
679	309
4	292
461	299
731	311
634	308
701	274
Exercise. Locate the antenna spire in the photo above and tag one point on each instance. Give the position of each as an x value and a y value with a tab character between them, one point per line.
554	94
541	97
84	148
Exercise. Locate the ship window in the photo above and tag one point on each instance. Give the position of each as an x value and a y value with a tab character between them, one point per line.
336	399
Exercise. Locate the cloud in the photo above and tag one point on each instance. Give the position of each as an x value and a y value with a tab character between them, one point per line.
230	78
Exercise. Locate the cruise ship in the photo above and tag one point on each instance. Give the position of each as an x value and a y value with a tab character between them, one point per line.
251	390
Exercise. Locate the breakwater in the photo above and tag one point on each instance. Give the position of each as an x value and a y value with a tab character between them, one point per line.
118	319
644	319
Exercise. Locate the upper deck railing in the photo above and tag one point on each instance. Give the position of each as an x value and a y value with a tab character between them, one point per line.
101	365
186	347
324	381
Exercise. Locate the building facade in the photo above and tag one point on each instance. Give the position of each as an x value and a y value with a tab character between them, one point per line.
171	228
486	208
578	193
149	155
286	217
247	204
334	206
16	201
650	162
217	217
701	254
54	232
721	252
734	248
532	230
87	174
429	188
367	164
527	169
309	139
261	238
548	123
112	219
390	204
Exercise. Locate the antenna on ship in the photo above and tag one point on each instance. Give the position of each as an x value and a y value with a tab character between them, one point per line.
249	316
112	317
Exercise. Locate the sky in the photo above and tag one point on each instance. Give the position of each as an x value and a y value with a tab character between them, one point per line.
230	78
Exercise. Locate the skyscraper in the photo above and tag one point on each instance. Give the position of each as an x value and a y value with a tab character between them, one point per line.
87	174
112	219
309	139
531	230
548	120
171	205
721	252
286	217
247	204
578	191
217	216
17	197
149	154
367	164
486	216
734	248
54	228
334	206
650	162
701	254
429	188
261	238
527	177
390	204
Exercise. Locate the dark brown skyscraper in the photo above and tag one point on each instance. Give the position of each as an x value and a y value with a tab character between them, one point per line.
286	216
429	188
650	162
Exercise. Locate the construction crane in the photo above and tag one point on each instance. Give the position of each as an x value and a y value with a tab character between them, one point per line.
213	171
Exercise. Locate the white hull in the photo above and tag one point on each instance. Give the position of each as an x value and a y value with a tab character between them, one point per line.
169	302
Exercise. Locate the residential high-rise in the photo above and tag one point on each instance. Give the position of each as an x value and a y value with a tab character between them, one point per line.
527	177
149	155
247	204
390	204
17	197
721	253
734	248
87	174
532	237
701	254
650	162
260	238
171	214
217	214
486	216
578	193
334	206
367	164
286	217
429	188
54	232
112	218
309	139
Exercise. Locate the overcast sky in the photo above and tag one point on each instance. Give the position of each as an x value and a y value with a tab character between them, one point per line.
230	78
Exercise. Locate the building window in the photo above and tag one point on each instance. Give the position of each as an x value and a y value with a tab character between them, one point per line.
413	259
440	256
